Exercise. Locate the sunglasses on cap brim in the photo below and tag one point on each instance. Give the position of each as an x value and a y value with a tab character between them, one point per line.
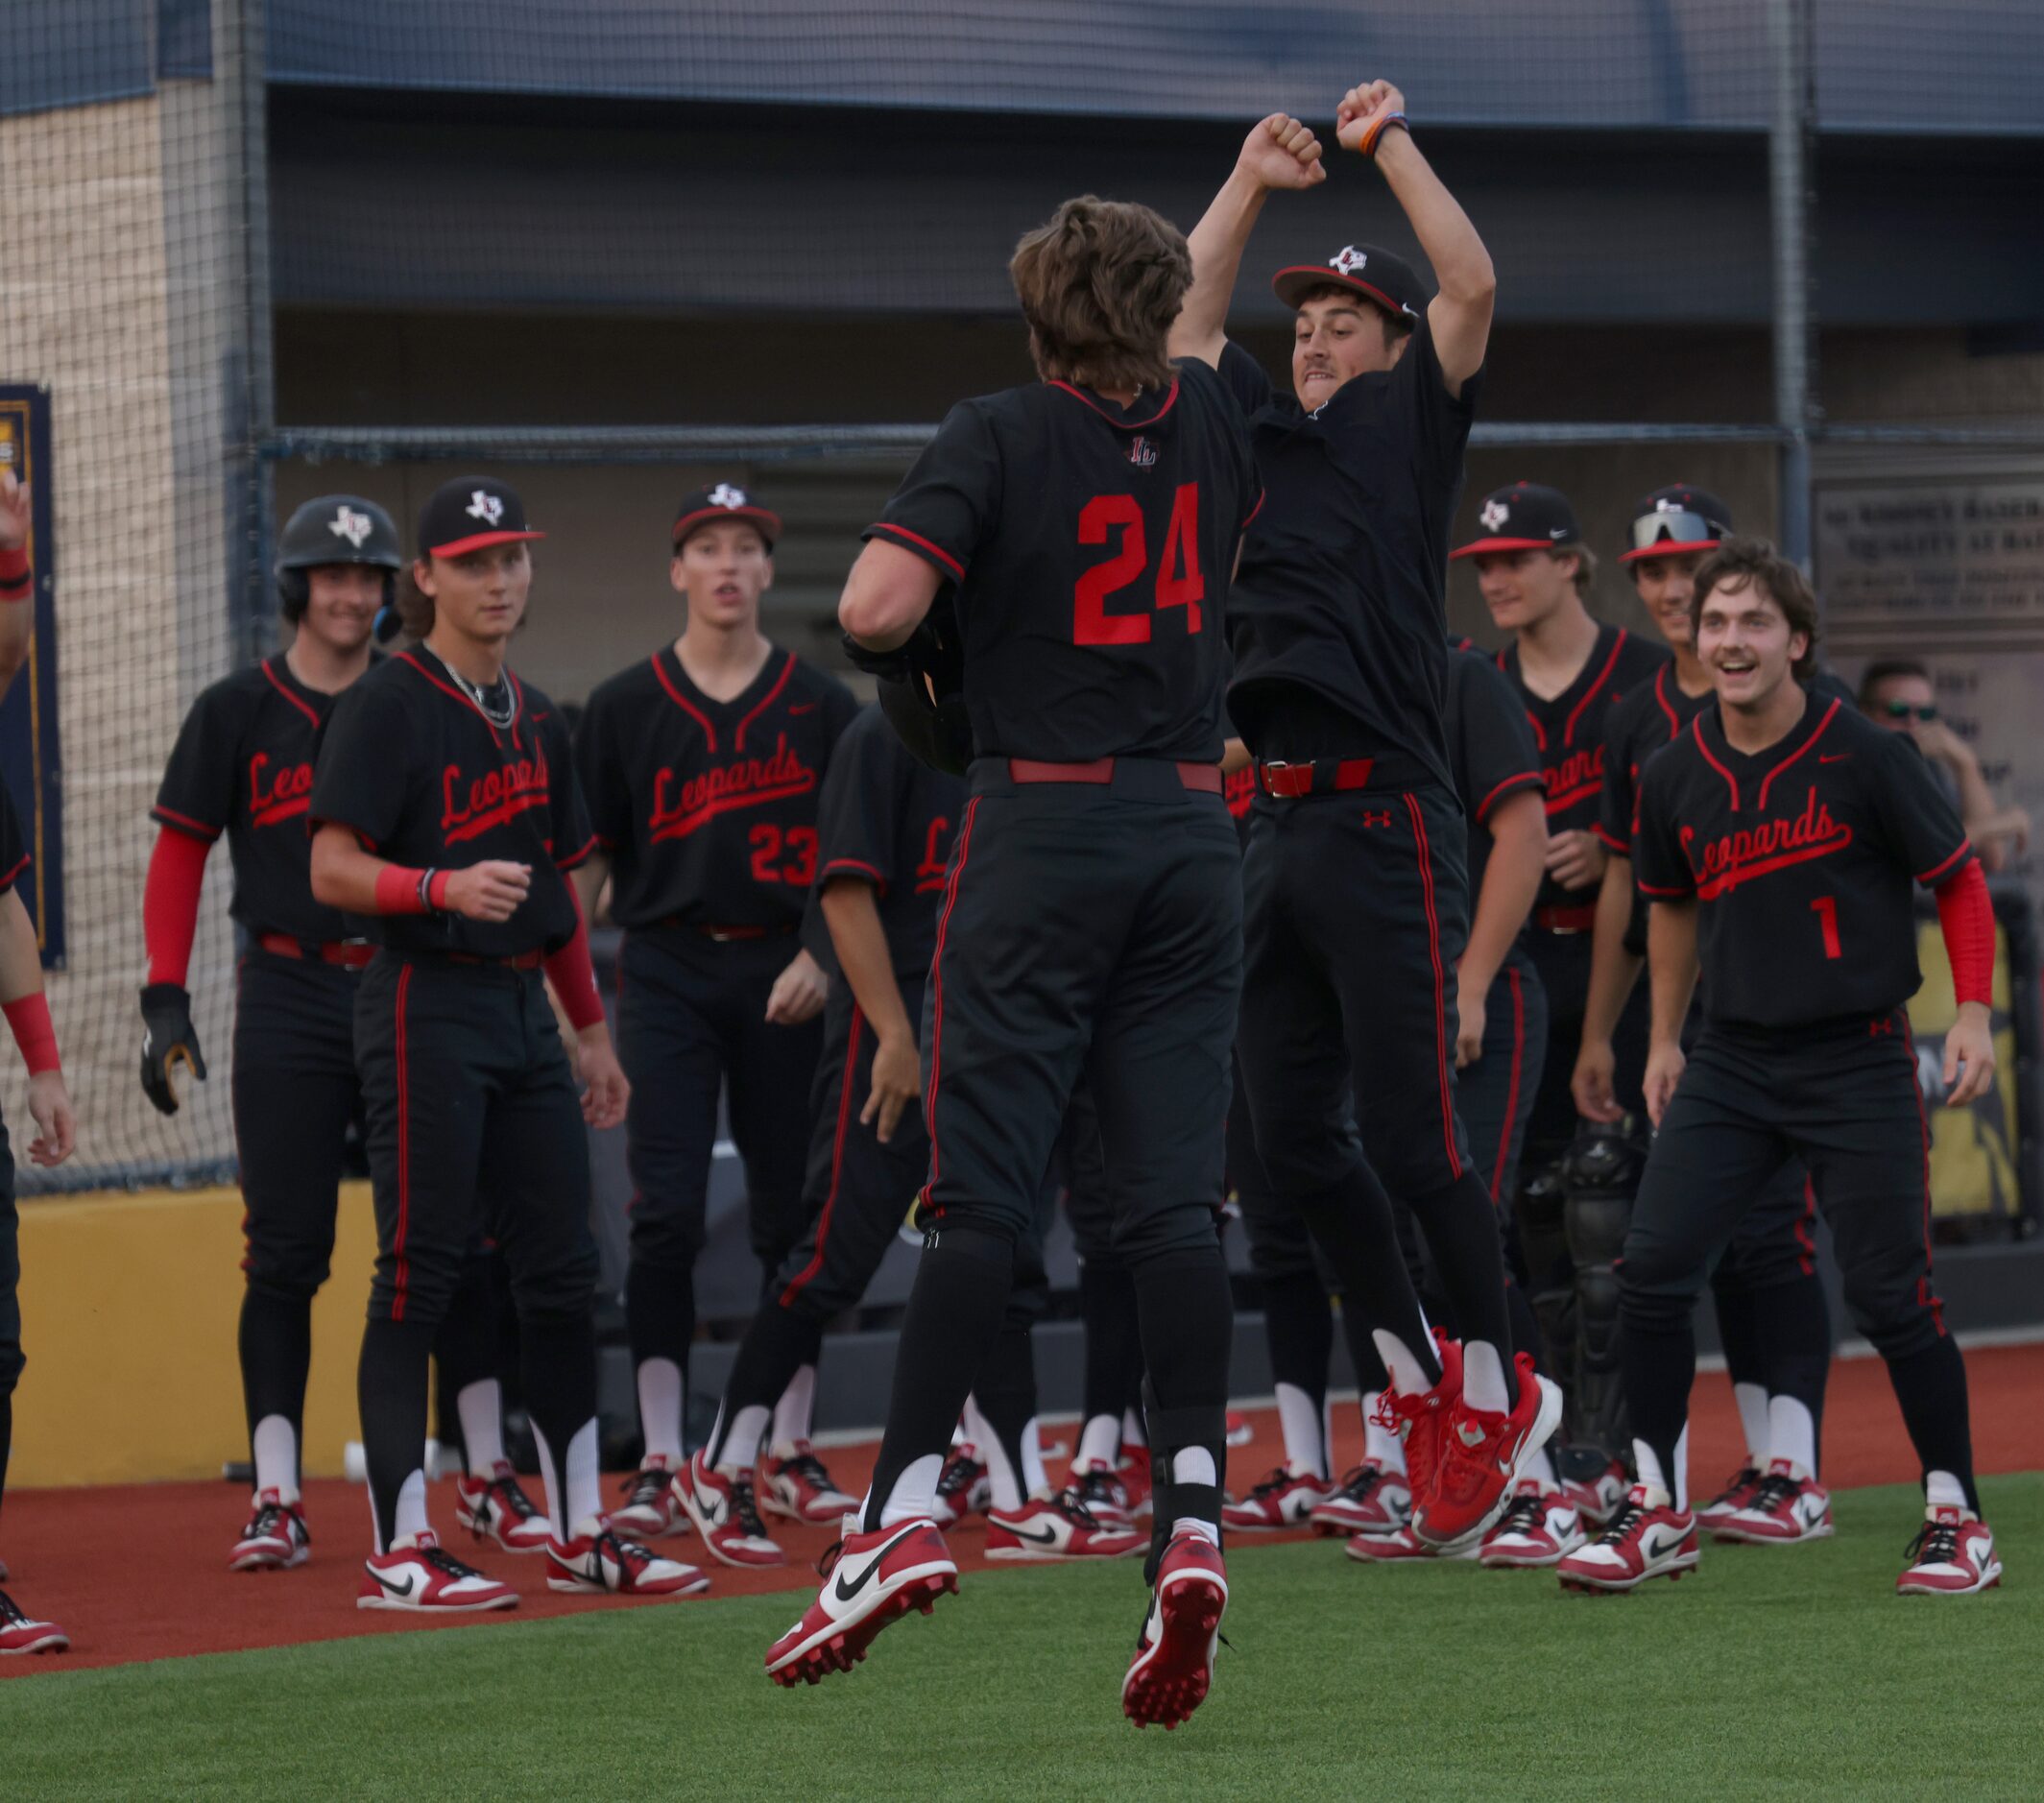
1667	535
1910	711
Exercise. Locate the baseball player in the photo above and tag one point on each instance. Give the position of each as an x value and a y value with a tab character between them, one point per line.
1340	671
28	1019
1570	669
1091	917
1772	1315
703	764
445	816
1780	839
18	587
242	767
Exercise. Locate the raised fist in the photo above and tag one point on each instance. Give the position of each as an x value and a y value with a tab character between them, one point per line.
1281	153
1362	109
15	503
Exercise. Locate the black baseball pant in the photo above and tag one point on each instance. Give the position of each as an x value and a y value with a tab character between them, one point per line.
1355	912
1841	1098
1086	927
12	1357
691	1022
474	1129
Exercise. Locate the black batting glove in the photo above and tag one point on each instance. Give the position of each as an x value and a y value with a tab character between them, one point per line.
168	1040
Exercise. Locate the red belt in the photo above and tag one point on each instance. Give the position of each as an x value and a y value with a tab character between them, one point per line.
353	954
518	961
1288	781
1203	778
1575	919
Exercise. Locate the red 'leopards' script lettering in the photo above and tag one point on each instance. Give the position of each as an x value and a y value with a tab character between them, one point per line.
1578	774
279	797
491	797
936	854
679	807
1721	864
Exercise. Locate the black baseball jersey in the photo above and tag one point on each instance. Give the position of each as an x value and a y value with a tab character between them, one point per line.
1340	604
243	765
706	808
1491	751
1569	731
886	818
1802	860
425	779
13	843
1092	545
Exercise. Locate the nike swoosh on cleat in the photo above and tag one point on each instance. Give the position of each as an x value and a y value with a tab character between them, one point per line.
1652	1547
846	1592
405	1588
1047	1538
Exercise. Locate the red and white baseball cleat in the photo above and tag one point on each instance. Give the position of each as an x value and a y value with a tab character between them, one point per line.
1285	1499
1482	1453
21	1633
1369	1500
1952	1555
1647	1538
1099	1488
1173	1667
877	1577
1788	1507
1539	1526
1596	1500
1419	1422
799	1487
1403	1547
418	1574
1135	1472
1737	1495
1058	1527
653	1500
962	1485
720	1505
274	1540
606	1563
497	1508
1238	1431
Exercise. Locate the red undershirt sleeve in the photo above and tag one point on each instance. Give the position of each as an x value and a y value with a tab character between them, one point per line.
1966	915
170	904
572	974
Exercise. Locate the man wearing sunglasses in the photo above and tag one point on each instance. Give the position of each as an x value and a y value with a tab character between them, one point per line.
1898	695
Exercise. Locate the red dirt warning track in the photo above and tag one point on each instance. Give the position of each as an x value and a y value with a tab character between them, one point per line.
170	1594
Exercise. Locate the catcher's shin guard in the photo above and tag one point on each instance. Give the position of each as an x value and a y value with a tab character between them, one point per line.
1601	1175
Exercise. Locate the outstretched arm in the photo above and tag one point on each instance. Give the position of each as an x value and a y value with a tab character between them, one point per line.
1279	153
17	590
1459	314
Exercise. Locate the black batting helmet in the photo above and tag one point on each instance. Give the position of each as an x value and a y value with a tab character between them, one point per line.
334	529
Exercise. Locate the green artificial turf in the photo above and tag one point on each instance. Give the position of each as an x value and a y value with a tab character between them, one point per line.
1787	1672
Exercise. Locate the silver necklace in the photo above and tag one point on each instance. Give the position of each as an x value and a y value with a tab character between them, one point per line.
498	712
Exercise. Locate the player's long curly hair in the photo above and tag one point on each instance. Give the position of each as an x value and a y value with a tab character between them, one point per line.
1099	286
1755	560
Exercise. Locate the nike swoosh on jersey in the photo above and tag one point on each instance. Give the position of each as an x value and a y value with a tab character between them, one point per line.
802	706
846	1592
1832	757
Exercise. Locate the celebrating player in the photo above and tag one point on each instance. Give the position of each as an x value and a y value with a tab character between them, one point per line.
1091	917
1780	838
28	1019
446	815
702	766
243	765
1341	660
17	590
1772	1315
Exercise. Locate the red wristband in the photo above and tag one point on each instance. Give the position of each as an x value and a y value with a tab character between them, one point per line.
437	889
398	890
15	584
29	1017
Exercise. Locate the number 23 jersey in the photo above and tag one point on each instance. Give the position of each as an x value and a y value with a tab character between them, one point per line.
707	809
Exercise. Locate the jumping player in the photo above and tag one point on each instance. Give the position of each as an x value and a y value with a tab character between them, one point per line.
445	816
242	765
28	1019
1772	1315
1090	918
703	764
1779	839
1341	662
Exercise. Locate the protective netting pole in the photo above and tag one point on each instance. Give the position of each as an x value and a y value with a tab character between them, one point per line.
1788	138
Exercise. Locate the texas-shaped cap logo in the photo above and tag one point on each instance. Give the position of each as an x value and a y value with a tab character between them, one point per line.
1494	514
350	525
484	505
724	495
1347	260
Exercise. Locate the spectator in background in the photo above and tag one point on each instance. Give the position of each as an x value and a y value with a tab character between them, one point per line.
1898	695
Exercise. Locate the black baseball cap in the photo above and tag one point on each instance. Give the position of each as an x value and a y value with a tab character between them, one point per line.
469	513
1380	275
1675	519
1523	517
724	501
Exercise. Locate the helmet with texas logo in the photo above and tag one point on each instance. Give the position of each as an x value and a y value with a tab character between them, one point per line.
334	529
